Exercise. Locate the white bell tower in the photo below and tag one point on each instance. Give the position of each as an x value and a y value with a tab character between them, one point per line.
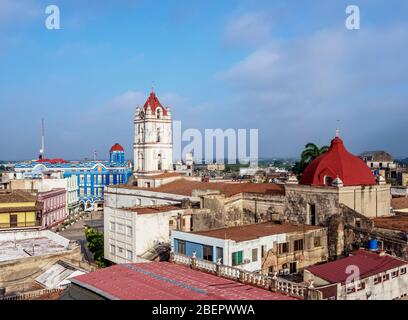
153	146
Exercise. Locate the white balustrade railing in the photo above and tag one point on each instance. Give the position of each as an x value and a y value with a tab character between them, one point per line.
273	283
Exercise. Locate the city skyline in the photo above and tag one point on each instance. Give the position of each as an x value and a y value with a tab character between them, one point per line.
301	73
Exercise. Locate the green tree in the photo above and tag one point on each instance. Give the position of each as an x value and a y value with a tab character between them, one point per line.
311	152
95	245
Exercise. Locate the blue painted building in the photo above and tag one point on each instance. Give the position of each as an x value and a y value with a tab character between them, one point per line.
92	176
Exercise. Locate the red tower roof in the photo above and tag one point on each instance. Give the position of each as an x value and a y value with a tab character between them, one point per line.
117	147
154	103
338	162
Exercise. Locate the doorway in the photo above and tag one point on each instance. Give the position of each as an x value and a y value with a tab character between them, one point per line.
13	220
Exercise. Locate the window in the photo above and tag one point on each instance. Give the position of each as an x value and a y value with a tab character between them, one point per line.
317	242
120	249
129	255
254	254
138	202
152	202
220	254
377	279
120	228
262	251
129	231
158	135
283	247
385	277
208	253
181	246
394	274
403	271
328	181
183	222
311	210
237	258
298	245
112	226
112	249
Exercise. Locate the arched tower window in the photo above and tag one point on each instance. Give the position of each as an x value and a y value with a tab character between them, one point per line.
159	162
158	113
140	161
158	135
142	134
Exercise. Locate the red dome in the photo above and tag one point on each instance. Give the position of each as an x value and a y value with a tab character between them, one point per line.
154	103
117	147
338	162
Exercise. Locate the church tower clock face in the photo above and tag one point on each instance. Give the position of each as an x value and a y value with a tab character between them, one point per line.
153	146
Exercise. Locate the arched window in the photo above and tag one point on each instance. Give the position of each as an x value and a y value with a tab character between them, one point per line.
158	135
328	181
142	134
159	162
158	113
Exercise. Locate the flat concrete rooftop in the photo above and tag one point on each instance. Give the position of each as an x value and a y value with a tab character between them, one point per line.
23	245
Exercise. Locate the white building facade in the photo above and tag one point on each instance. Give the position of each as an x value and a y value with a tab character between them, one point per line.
132	232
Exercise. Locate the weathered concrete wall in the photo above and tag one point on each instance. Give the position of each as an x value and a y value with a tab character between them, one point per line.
310	254
244	208
204	219
17	274
325	200
350	230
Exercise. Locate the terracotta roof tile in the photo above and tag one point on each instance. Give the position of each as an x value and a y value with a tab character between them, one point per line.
152	209
186	187
254	231
16	196
399	203
398	223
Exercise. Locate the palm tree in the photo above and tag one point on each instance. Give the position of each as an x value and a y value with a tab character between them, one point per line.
311	152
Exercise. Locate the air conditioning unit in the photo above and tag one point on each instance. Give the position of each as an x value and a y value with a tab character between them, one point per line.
246	261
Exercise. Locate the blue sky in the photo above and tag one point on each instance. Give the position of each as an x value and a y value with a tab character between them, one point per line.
288	68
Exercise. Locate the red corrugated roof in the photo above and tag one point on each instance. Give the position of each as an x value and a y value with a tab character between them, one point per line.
53	161
369	263
168	281
338	162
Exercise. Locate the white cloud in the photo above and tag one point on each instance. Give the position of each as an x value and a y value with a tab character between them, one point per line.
16	12
247	29
300	87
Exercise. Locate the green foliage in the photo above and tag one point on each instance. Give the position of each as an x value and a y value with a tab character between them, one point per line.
235	167
95	245
311	152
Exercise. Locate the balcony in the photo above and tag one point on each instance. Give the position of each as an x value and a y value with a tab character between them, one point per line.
20	225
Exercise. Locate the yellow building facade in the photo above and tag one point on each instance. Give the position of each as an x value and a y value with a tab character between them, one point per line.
17	210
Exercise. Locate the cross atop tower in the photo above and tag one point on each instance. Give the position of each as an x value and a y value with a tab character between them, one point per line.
337	129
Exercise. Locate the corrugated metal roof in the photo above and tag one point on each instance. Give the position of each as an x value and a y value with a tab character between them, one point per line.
168	281
369	263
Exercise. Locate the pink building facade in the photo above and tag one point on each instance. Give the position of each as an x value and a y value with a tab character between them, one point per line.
54	204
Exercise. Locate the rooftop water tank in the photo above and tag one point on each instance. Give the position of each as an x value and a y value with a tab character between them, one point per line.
373	245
